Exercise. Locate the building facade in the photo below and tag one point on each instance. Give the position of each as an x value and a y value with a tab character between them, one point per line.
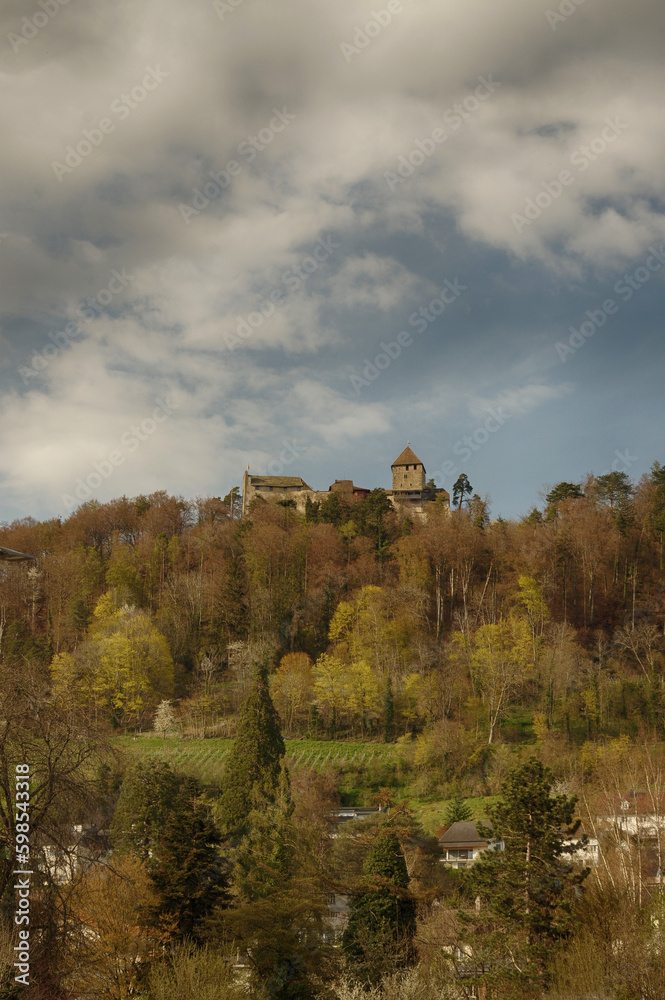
409	488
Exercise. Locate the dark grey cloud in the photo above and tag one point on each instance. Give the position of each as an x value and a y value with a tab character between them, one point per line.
511	149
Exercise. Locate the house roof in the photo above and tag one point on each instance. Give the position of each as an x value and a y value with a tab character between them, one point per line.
461	835
632	803
9	555
279	482
407	457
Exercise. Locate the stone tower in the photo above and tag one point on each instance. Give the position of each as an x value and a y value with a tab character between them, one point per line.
408	473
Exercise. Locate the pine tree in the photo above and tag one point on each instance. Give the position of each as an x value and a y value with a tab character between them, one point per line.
382	914
458	811
461	488
389	713
253	768
528	888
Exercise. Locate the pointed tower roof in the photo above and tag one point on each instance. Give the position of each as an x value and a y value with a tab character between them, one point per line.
407	457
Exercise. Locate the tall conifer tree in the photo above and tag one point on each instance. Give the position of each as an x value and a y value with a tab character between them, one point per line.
524	892
382	914
252	771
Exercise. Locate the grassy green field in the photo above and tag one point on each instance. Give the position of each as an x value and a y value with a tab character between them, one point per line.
379	762
205	758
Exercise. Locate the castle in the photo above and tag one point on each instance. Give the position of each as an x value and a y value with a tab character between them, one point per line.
408	478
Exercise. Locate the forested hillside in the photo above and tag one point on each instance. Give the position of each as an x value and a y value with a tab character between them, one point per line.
456	667
370	619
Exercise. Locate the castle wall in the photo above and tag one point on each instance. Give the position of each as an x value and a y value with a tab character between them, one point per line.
407	493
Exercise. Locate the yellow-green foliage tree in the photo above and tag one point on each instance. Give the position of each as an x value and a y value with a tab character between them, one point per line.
373	628
329	685
536	609
292	687
370	640
501	655
123	669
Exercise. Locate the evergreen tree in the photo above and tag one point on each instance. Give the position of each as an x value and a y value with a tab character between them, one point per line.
564	491
389	713
311	511
461	487
332	725
161	819
371	513
658	480
332	510
615	490
279	901
314	721
252	771
479	511
526	890
458	811
382	914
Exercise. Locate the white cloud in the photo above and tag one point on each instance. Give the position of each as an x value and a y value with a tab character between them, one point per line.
519	401
319	177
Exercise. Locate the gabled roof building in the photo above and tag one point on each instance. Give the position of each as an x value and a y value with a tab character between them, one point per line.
461	844
409	487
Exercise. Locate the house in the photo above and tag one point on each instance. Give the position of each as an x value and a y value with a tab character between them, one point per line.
634	814
585	851
345	813
409	488
462	844
63	863
336	919
634	823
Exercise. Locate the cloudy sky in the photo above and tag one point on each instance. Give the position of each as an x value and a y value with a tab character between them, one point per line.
297	235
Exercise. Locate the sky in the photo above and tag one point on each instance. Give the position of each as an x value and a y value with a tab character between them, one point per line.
299	235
